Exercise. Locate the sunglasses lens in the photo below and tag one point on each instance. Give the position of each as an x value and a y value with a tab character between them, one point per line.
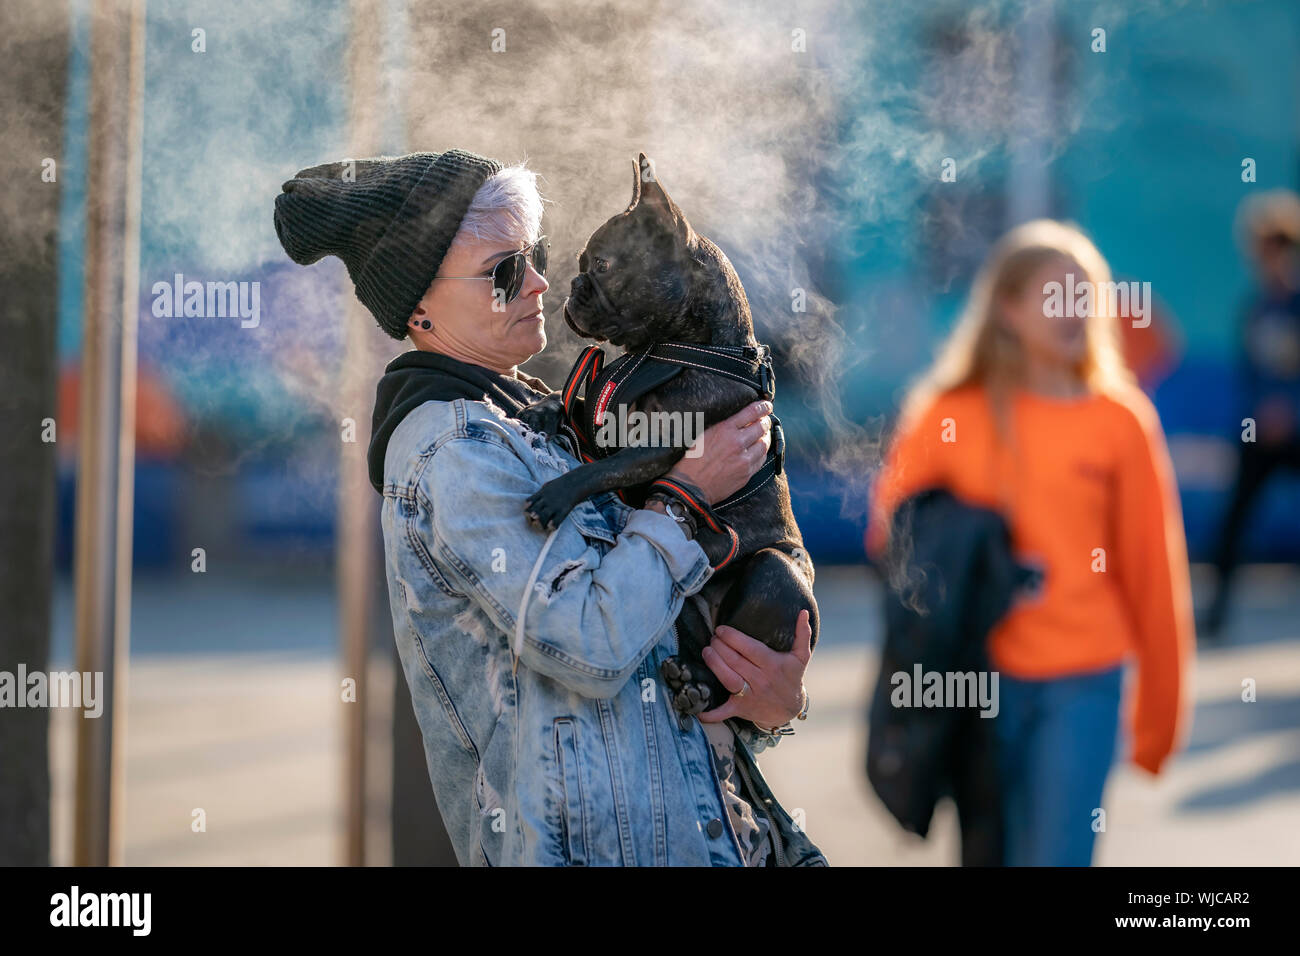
508	277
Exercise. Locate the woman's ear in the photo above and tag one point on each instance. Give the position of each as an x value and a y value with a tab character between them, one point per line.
420	319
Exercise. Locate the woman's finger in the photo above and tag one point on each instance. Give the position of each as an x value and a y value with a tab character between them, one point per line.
754	431
756	653
732	681
751	412
728	708
803	637
741	665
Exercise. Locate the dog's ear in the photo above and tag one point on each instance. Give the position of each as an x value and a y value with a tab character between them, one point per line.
651	197
636	185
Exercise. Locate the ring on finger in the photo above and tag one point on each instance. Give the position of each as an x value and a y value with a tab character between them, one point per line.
744	688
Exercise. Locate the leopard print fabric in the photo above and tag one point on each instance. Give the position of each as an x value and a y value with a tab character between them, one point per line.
752	826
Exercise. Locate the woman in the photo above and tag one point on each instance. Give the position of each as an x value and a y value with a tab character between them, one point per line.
560	747
1029	409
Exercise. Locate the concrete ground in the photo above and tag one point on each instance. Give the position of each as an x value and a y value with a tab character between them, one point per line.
1232	798
240	716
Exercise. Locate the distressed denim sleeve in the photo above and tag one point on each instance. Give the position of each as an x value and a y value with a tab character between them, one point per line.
591	618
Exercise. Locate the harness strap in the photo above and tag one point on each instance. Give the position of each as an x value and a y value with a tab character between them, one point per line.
632	374
742	363
701	508
772	466
583	373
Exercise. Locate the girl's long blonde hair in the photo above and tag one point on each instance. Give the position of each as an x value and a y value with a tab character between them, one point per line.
980	350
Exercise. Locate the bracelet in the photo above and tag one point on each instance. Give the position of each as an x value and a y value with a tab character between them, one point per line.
674	509
807	699
691	497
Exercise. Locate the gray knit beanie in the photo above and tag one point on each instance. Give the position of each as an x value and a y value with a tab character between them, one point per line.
390	219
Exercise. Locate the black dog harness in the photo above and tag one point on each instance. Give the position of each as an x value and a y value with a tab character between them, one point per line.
633	374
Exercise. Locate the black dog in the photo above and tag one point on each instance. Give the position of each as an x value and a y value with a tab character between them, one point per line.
647	277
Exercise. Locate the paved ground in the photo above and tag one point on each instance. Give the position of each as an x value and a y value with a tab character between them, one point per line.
1233	798
240	716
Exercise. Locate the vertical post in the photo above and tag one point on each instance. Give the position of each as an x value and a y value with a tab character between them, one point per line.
357	506
417	835
106	469
1030	190
33	93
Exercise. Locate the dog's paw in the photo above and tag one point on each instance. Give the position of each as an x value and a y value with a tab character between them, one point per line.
544	416
691	695
548	507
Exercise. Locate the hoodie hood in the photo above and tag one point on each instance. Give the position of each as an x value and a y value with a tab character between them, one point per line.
416	377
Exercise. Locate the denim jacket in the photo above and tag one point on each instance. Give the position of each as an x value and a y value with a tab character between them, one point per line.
575	756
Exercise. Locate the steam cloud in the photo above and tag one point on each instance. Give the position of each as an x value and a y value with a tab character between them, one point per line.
790	133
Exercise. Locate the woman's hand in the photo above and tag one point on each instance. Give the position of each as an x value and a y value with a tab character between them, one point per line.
775	693
730	452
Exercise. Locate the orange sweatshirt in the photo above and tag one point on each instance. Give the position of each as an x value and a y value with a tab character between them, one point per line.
1088	492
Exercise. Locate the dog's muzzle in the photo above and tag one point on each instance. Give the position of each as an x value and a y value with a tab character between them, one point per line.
589	305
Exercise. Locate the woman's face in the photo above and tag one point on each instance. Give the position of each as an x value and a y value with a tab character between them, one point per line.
1053	336
467	323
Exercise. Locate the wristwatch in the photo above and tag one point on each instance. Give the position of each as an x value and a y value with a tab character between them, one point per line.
677	511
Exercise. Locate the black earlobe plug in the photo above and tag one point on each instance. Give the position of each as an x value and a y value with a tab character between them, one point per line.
426	324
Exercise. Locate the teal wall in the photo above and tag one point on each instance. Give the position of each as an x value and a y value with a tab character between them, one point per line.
1148	163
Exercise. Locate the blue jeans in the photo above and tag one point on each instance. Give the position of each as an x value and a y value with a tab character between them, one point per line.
1056	742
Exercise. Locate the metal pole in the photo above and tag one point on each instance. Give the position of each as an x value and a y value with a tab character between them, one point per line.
1030	193
106	472
357	508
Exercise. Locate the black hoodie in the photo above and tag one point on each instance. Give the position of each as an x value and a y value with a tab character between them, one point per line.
416	377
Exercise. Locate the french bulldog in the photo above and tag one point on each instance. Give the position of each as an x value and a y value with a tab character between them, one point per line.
646	277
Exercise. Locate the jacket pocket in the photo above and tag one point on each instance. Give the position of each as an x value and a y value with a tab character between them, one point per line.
589	520
409	510
573	813
439	690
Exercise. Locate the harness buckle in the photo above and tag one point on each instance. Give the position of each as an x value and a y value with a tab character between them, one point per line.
778	444
767	380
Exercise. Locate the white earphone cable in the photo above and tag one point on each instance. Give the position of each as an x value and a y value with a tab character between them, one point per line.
517	646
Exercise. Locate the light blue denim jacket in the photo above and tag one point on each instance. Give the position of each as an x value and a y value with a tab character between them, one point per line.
576	757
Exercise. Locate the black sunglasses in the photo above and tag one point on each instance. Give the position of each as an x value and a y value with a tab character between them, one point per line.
508	274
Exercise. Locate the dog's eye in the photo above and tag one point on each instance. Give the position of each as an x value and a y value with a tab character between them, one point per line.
602	265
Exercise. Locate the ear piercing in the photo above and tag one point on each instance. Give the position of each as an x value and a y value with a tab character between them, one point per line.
426	324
